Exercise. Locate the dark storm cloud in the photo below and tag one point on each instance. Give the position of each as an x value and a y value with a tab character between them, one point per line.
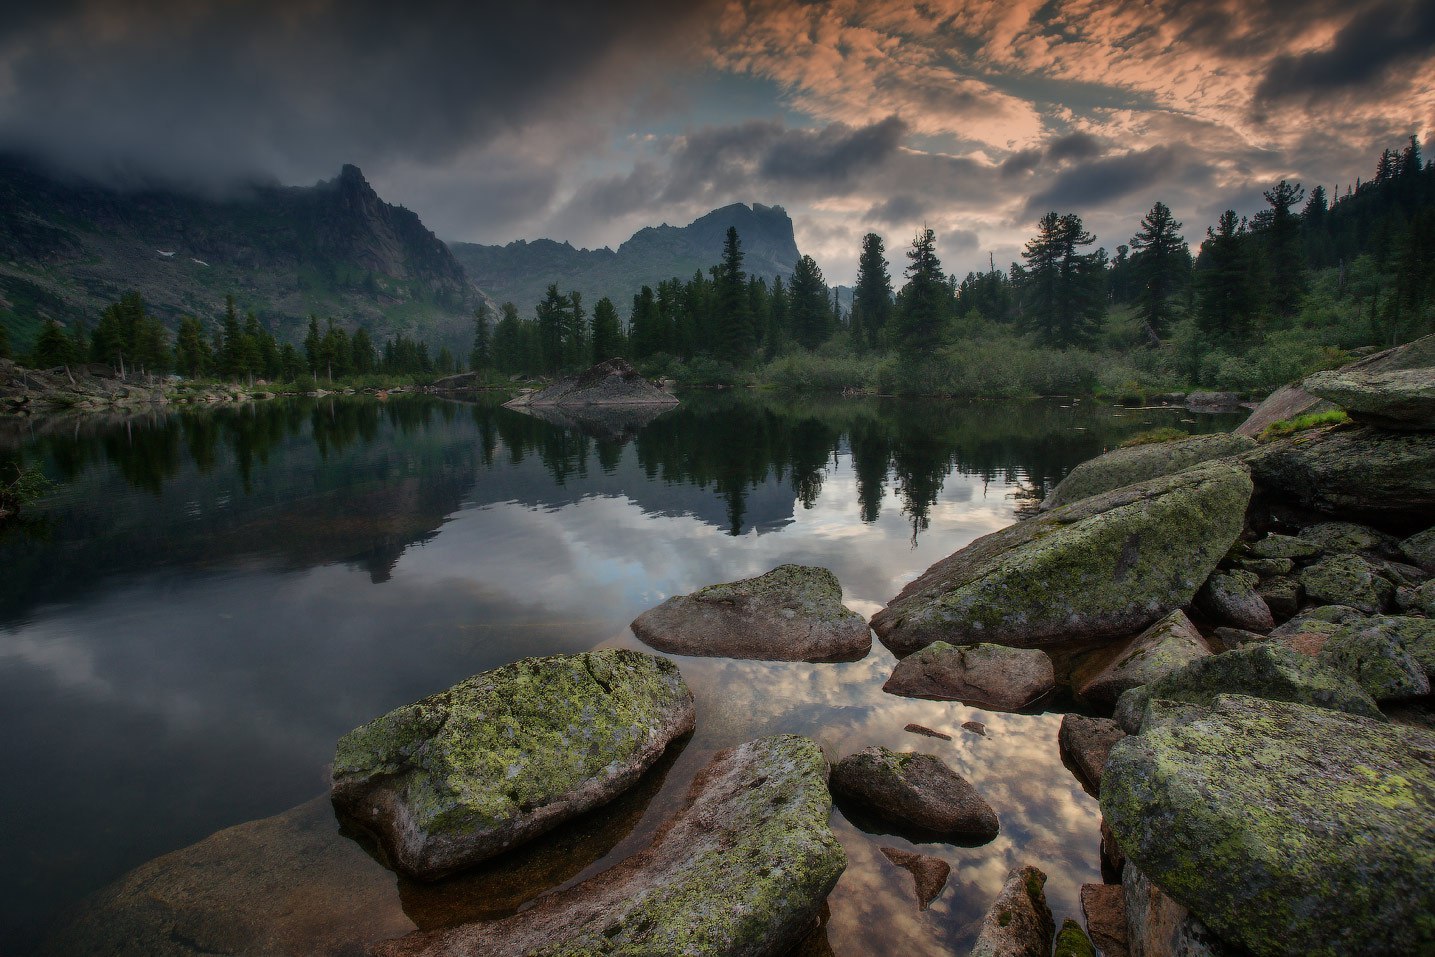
833	154
209	91
1365	52
899	210
1020	163
1115	177
1074	146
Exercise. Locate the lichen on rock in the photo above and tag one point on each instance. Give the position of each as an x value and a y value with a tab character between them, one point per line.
1140	463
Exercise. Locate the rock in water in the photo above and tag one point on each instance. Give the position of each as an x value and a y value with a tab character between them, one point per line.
1086	743
1019	923
1285	829
1072	941
1141	463
743	869
1400	399
1357	471
914	791
1171	643
929	874
983	676
613	382
1104	907
792	613
1103	567
508	754
1231	597
1268	670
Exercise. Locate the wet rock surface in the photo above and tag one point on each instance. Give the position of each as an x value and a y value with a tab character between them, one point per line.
983	676
507	755
792	613
1103	906
915	792
743	869
1019	923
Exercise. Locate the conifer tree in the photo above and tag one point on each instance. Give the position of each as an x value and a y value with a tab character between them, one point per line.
1062	286
481	355
1162	262
921	315
607	331
809	314
873	293
737	339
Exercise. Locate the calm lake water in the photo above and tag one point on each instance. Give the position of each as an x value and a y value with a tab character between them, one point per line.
211	599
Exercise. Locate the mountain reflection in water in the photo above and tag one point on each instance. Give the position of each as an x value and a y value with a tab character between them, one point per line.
211	598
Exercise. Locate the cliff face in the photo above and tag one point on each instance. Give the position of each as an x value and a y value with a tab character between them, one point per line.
68	248
520	272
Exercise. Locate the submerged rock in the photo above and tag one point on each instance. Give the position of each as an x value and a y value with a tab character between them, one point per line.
1019	923
1347	580
1086	743
1171	643
1286	829
1268	670
743	869
1103	567
1398	399
1141	463
1352	470
1231	597
614	382
984	676
792	613
929	874
914	791
507	755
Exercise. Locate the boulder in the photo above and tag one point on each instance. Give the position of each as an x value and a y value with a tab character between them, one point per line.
1229	639
926	732
929	874
1326	619
792	613
1171	643
1420	599
1397	399
1375	654
1285	829
1019	923
1350	538
1140	463
975	727
744	868
1352	471
507	755
1157	926
1231	597
914	791
984	676
1267	670
1085	745
1282	595
1420	549
1103	567
1071	941
1347	580
1266	567
613	382
1284	547
1213	401
1103	907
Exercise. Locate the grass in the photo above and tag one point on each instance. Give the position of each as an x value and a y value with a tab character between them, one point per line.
1153	436
1301	423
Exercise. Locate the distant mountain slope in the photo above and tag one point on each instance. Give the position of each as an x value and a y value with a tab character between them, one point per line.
68	248
521	272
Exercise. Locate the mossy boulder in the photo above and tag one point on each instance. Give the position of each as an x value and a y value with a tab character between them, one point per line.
1169	644
1104	567
1397	399
1157	926
1354	471
1351	538
1375	654
1230	597
1348	580
1282	594
993	677
1288	830
1421	599
742	870
1324	618
1140	463
1266	567
1284	547
792	613
1420	549
1071	941
1268	670
507	755
1019	922
915	792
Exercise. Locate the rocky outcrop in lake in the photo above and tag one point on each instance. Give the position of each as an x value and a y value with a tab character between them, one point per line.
993	677
914	792
507	755
1019	923
613	382
792	613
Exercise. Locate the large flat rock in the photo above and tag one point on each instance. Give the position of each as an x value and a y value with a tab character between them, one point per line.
613	382
992	677
792	613
1396	399
743	870
1354	471
507	755
1285	829
1141	463
1104	567
915	791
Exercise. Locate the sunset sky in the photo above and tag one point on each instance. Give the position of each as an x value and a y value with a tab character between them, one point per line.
585	121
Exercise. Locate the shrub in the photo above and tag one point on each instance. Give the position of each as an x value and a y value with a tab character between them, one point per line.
1301	423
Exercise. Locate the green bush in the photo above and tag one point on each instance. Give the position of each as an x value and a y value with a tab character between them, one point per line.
809	372
1301	423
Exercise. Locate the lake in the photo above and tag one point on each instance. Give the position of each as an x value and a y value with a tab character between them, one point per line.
210	599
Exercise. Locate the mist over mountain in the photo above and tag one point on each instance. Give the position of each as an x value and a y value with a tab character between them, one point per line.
521	271
335	249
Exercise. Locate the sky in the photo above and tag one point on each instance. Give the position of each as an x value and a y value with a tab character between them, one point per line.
585	121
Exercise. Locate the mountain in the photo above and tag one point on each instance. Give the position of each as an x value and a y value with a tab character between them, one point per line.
68	248
521	271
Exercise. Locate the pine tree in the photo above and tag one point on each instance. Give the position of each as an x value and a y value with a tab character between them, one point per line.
191	352
481	356
361	348
1062	286
314	347
920	318
644	338
1225	282
1163	262
53	348
607	331
575	336
1284	253
737	340
553	320
873	294
809	314
4	342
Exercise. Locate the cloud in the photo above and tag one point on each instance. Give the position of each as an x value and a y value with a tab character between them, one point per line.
1389	36
899	210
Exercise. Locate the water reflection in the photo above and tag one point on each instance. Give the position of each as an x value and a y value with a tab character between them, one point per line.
212	598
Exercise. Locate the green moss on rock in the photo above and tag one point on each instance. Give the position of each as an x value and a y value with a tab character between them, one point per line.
1141	463
1347	580
1286	829
1072	941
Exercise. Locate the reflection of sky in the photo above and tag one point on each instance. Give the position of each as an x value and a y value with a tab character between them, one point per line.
177	701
